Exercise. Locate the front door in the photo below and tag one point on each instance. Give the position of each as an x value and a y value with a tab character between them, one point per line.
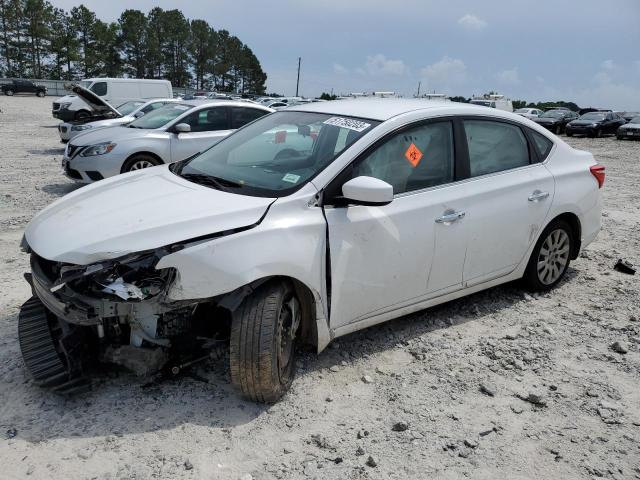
381	257
208	127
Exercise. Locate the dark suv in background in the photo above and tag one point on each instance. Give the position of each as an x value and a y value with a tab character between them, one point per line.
595	124
24	86
556	119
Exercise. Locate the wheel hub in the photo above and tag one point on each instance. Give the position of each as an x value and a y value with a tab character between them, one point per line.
553	257
288	324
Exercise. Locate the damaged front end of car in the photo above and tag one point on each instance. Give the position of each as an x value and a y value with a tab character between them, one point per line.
115	311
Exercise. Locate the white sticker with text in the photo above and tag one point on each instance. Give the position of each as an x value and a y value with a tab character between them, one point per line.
291	178
349	123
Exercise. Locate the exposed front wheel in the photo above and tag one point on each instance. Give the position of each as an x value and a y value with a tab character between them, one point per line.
550	257
263	342
81	115
138	162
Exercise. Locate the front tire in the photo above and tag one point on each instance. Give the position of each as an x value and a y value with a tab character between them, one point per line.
40	94
138	162
550	257
568	134
81	115
263	342
8	93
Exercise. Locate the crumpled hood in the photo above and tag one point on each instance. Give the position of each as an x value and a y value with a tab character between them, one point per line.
134	212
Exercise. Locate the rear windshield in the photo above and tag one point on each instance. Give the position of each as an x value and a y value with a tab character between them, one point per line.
160	117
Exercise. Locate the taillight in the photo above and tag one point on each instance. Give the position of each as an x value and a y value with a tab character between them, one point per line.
598	172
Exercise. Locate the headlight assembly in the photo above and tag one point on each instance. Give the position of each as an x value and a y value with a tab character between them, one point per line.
64	106
99	149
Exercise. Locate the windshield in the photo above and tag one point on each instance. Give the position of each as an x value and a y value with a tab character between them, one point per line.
592	116
275	155
552	114
127	107
161	116
635	120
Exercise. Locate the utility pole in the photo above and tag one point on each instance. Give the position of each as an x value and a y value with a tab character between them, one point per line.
419	84
298	81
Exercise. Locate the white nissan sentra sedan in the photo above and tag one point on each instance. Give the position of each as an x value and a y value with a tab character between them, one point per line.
167	134
305	225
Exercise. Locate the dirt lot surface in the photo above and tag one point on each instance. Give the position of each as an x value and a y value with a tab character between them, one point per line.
498	385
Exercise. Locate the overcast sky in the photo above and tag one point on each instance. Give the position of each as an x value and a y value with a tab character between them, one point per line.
587	51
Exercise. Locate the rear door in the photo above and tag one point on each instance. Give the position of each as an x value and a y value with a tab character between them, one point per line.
505	200
208	126
240	116
384	257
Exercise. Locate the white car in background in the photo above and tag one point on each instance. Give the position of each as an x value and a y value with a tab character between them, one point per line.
306	225
170	133
121	115
529	113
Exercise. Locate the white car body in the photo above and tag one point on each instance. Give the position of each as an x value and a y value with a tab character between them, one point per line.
361	264
494	101
165	144
112	90
529	113
69	130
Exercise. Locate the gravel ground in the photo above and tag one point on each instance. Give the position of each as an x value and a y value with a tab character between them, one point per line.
497	385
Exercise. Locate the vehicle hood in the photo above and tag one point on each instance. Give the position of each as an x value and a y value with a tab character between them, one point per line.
96	103
630	125
117	133
112	122
546	120
577	123
135	212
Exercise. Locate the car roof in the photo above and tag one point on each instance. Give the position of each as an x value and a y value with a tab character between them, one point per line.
225	103
385	108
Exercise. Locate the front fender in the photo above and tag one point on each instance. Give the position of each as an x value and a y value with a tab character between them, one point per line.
289	242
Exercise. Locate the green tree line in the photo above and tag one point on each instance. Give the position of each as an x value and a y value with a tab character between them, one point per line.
38	40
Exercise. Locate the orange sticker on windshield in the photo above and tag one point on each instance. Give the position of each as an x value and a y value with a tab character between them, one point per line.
413	155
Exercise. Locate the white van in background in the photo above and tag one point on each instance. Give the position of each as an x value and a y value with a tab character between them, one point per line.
494	101
115	91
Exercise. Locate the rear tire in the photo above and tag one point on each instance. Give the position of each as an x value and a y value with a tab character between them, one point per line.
263	342
550	257
139	162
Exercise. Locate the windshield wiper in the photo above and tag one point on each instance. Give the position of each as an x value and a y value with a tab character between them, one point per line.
211	181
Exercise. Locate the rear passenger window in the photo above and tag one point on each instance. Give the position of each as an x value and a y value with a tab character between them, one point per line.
495	146
418	158
240	116
543	144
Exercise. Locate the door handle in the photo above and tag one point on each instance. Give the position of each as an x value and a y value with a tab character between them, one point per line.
537	196
450	217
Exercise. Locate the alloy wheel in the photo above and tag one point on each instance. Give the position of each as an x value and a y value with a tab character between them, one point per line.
140	164
553	257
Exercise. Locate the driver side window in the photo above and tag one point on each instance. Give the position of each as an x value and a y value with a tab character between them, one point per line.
208	119
413	159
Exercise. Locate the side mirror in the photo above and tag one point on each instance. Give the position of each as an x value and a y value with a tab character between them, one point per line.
367	191
139	114
182	128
